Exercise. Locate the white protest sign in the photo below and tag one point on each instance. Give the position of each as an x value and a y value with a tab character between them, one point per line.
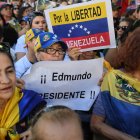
73	83
87	25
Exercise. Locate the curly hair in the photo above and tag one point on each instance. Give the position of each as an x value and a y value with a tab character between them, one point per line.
129	54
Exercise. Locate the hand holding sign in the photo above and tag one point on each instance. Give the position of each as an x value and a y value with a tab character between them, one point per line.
74	53
87	25
73	84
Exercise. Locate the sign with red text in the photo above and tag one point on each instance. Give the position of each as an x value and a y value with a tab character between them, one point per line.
87	25
73	84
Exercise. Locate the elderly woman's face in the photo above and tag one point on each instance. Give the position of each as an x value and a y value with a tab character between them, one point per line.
7	77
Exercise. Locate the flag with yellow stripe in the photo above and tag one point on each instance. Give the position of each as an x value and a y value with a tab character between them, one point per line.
121	99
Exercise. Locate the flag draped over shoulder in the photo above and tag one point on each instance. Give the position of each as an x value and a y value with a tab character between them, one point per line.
121	99
10	117
17	108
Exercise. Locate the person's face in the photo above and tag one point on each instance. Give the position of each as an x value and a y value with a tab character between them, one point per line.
122	27
16	11
88	55
7	78
133	16
39	22
43	56
7	11
26	12
115	13
69	130
30	10
23	24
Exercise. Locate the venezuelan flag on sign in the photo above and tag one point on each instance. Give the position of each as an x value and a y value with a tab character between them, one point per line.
121	100
83	26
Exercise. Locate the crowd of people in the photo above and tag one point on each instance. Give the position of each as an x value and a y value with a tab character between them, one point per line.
25	40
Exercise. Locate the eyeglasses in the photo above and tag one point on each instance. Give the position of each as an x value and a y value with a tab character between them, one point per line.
5	47
52	51
122	27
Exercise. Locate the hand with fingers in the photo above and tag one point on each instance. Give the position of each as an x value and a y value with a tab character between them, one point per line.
74	53
26	135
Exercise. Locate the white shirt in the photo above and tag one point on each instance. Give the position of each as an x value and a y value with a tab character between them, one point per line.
22	66
20	46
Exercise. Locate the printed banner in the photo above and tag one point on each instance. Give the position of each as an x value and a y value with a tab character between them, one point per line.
87	25
73	84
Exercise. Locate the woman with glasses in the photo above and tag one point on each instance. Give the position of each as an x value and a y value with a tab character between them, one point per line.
116	114
122	29
17	107
15	11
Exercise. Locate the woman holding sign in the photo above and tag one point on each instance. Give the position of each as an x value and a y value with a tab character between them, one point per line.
116	114
16	107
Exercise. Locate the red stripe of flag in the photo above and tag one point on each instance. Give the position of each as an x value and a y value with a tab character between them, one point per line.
84	42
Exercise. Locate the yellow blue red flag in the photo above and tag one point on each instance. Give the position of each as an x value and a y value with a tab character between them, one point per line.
87	26
121	99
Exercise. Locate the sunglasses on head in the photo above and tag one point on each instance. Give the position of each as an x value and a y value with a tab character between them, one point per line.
122	28
5	47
